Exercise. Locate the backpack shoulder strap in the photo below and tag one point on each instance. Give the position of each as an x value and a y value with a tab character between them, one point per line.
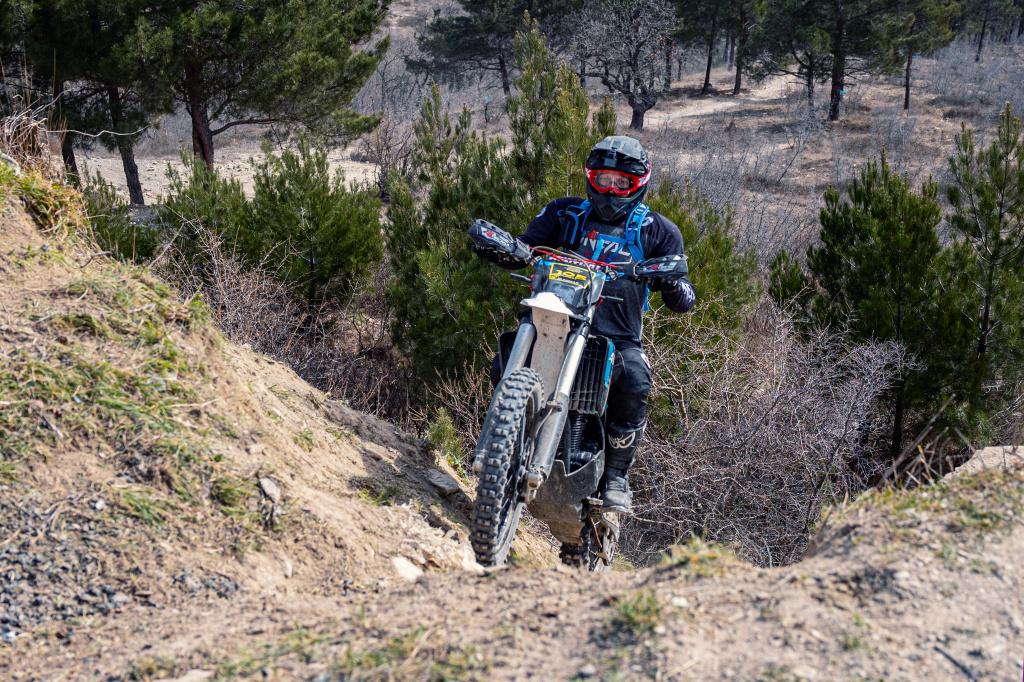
633	225
573	218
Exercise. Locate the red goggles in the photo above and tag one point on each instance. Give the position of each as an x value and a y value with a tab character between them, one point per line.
616	182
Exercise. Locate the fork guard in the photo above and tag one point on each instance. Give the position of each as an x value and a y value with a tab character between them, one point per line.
559	501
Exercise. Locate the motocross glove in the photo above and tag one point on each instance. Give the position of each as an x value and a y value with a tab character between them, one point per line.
678	294
664	284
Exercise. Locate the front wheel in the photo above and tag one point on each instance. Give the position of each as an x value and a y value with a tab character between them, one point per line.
503	452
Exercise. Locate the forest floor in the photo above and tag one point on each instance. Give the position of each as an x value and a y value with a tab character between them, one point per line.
176	507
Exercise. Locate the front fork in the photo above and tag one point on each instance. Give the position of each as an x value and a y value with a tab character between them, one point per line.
550	422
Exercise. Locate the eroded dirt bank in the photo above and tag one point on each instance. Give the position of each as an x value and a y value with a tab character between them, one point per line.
173	507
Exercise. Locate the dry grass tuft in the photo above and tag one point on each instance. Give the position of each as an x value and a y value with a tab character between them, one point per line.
25	141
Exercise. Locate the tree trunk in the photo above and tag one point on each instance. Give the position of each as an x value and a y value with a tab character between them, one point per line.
981	36
67	139
986	329
906	82
1020	25
711	55
67	152
810	90
131	174
202	136
125	148
732	51
838	70
637	121
583	73
744	35
505	85
896	447
668	65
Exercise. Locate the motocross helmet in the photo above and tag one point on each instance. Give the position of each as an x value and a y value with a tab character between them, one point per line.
617	173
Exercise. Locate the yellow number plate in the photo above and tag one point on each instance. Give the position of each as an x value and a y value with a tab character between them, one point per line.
570	274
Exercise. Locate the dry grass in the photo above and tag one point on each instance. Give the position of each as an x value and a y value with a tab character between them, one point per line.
342	349
25	141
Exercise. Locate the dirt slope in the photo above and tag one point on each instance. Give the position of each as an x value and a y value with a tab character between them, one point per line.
172	507
146	464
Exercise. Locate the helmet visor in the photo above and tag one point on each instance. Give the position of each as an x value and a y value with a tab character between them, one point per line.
615	182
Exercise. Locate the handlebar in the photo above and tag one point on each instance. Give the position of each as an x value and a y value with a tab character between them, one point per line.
491	237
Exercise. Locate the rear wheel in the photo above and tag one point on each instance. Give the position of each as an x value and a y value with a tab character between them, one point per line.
596	550
503	453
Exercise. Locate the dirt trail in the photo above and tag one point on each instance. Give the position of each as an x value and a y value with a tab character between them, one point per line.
688	107
266	543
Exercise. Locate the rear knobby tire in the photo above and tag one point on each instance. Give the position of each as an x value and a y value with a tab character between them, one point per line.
587	554
504	449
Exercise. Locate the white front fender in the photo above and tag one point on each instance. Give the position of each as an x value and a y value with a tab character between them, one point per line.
551	318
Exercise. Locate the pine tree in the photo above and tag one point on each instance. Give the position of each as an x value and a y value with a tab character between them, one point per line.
723	279
988	16
819	41
447	302
480	40
926	30
790	287
987	195
292	62
75	48
873	271
548	118
788	40
746	13
318	234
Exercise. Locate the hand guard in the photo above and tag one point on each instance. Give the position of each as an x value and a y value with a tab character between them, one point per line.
519	256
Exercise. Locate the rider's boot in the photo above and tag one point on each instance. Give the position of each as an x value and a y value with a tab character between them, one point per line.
622	445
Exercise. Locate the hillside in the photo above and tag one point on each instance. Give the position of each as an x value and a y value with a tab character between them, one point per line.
148	465
175	507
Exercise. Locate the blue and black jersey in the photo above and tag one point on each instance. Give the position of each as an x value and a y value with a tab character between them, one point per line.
658	236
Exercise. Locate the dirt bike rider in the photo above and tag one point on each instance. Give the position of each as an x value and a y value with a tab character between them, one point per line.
613	226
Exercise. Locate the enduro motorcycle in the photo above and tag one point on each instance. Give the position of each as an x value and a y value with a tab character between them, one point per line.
543	441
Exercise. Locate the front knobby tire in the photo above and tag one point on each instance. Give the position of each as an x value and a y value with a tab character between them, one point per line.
504	449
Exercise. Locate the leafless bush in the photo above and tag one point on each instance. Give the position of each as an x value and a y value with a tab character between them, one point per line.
750	170
341	349
748	443
465	398
896	129
388	147
954	79
24	138
166	136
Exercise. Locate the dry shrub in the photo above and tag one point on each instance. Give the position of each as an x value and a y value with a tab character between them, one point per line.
25	141
748	444
464	398
340	349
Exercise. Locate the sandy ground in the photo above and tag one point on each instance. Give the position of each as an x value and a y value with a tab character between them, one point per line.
232	161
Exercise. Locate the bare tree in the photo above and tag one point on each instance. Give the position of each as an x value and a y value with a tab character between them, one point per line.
623	44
